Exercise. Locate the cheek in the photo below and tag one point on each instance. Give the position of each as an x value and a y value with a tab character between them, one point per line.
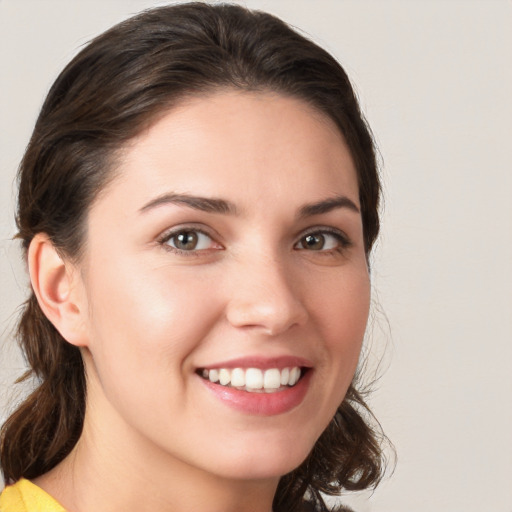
339	313
144	331
342	316
147	325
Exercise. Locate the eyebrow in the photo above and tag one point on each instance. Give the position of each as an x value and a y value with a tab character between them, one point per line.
327	205
214	205
205	204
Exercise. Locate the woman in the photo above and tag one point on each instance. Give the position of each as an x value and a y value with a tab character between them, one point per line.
197	204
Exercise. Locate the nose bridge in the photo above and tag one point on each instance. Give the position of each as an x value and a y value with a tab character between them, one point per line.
264	294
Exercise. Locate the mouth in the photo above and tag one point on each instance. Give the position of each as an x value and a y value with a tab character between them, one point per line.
255	380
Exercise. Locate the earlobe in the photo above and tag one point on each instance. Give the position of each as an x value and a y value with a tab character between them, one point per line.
54	282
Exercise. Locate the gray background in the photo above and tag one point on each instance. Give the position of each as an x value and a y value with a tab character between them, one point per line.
435	81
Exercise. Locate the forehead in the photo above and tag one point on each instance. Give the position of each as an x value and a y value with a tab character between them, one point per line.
241	144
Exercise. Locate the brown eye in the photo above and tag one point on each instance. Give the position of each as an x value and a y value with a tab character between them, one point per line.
313	242
186	241
323	241
189	240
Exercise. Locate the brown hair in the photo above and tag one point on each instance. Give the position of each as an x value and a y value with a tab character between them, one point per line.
113	89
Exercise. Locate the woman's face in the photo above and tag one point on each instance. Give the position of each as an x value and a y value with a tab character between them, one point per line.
230	247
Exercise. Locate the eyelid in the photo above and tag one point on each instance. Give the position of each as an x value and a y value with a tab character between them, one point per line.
341	236
165	236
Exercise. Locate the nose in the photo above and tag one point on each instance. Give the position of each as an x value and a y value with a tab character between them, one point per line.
264	295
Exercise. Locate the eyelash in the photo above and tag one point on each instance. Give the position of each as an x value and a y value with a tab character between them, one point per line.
341	238
169	235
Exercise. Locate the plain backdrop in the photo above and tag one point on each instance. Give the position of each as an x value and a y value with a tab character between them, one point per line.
435	81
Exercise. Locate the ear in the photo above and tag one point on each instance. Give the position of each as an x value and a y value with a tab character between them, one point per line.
58	288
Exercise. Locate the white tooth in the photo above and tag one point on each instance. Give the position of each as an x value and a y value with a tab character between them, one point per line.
294	375
272	379
238	378
254	378
285	376
213	375
224	376
205	374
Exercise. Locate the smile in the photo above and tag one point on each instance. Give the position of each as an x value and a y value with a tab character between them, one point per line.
254	380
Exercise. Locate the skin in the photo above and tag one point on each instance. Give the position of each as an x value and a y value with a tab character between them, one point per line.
146	317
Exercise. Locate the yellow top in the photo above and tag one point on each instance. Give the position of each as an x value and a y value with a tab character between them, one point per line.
24	496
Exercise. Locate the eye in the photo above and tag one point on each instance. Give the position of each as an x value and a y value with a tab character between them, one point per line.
188	240
323	241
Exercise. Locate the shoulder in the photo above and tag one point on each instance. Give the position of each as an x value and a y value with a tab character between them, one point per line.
24	496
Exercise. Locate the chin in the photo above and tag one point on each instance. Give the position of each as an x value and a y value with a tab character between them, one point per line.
264	464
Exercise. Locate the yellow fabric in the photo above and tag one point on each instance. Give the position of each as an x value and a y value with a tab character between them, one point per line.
24	496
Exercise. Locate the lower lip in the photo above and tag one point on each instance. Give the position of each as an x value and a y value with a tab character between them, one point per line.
262	404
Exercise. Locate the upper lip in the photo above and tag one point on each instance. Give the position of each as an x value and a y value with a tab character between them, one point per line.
264	363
